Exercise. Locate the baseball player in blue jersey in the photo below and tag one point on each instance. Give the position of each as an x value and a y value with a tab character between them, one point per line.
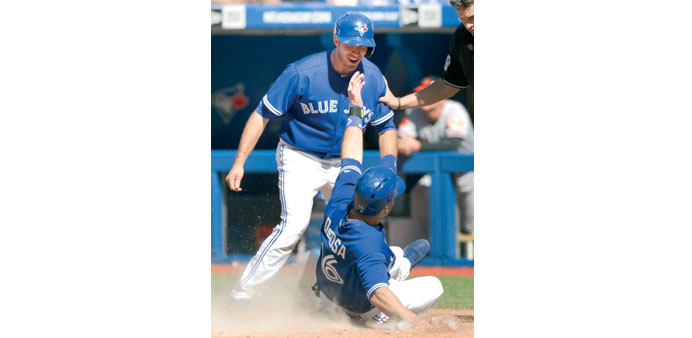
311	98
356	269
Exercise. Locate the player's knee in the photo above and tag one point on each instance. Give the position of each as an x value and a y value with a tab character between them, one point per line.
401	268
435	287
397	251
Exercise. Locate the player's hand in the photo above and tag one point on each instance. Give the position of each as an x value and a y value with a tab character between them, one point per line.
389	99
234	177
426	324
423	324
354	88
418	325
407	144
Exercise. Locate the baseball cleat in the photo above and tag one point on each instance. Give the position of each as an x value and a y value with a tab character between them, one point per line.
380	318
379	322
416	251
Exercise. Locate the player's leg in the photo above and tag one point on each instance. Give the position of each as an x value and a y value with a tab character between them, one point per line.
417	294
296	191
402	266
464	188
408	257
330	171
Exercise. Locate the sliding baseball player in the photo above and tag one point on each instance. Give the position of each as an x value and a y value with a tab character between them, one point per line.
357	271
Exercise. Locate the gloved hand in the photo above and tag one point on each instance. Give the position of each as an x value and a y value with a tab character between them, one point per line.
401	267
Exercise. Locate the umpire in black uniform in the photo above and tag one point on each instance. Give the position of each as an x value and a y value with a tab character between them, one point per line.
458	68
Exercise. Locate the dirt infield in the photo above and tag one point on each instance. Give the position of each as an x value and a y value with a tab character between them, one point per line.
452	323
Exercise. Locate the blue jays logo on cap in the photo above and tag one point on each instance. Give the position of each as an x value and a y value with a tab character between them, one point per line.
361	28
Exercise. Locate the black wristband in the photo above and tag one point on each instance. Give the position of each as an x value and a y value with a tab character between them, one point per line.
355	110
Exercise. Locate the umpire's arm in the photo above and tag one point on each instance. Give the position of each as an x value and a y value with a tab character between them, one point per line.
435	92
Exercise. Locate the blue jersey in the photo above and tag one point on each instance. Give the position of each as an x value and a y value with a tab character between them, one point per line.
313	100
355	257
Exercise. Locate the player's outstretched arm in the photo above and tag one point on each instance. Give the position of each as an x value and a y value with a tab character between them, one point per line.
386	301
388	143
252	132
436	92
352	145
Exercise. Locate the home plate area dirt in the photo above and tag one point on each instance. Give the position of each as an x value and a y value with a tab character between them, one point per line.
449	323
289	308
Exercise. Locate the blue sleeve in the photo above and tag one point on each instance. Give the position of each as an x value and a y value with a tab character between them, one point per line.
372	270
285	90
383	120
345	184
389	161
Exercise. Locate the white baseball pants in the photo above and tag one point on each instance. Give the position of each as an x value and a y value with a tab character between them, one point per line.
301	176
416	294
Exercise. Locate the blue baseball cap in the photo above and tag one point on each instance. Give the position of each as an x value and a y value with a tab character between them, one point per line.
377	187
355	29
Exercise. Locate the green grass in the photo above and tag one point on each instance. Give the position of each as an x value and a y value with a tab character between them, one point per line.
458	290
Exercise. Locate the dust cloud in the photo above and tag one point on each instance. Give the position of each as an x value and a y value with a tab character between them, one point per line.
289	308
287	304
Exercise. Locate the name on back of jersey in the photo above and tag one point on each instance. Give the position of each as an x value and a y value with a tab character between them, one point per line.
334	242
